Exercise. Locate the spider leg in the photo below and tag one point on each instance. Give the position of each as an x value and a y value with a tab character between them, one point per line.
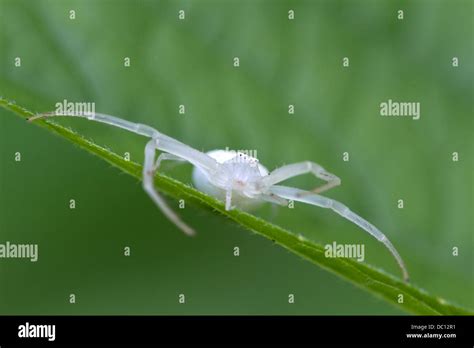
148	186
133	127
163	142
175	150
228	199
324	202
295	169
273	198
164	157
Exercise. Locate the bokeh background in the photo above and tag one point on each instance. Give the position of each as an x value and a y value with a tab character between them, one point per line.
190	62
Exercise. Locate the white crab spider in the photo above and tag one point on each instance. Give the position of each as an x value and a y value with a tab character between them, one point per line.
234	178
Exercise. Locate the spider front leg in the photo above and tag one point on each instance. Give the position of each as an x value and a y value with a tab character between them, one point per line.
300	168
149	168
228	199
324	202
164	157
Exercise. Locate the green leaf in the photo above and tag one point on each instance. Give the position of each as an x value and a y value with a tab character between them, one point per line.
367	277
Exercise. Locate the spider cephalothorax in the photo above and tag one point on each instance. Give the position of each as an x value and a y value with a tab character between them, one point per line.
237	175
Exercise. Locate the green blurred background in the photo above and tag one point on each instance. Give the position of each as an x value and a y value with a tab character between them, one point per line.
190	62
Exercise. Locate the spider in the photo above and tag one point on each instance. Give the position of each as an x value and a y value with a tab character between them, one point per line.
233	177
